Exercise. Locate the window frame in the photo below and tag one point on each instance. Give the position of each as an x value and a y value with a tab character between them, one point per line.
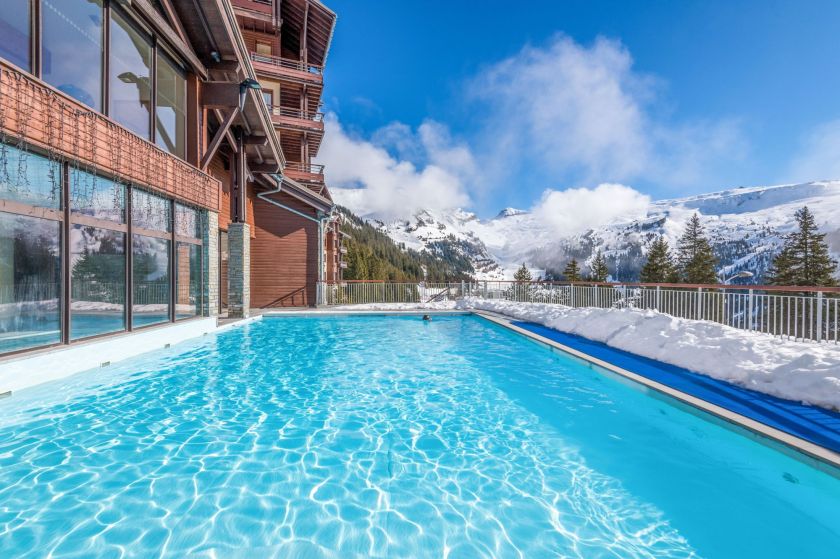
63	216
158	45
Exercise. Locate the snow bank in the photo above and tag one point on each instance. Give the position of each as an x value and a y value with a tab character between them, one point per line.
806	372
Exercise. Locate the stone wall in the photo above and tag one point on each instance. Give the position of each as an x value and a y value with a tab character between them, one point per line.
210	242
239	270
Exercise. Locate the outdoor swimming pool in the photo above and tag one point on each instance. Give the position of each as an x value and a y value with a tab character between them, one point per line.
373	436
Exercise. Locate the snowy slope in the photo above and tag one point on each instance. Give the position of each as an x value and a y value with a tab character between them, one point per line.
745	226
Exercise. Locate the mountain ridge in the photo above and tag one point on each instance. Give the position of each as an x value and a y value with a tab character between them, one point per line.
746	226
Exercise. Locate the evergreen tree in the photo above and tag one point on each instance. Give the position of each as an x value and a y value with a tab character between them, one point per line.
598	268
572	271
659	267
804	258
695	258
522	275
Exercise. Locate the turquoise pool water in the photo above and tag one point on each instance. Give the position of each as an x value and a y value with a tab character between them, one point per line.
388	437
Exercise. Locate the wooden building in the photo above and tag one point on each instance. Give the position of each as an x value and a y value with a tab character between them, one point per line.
295	242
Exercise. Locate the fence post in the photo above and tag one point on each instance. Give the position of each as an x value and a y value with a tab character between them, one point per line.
659	298
699	303
750	305
485	289
819	315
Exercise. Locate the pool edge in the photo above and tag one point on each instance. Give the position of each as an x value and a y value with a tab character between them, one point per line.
822	458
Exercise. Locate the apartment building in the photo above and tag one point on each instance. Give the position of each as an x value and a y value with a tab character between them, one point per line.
296	242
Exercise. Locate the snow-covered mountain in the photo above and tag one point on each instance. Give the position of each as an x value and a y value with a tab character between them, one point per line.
745	226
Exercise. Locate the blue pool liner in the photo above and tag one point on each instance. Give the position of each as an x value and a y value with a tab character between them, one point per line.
814	424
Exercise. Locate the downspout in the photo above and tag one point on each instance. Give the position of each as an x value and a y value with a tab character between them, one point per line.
319	220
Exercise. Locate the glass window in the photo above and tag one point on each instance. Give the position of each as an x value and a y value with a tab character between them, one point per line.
187	221
188	280
97	285
29	178
96	196
14	28
72	48
150	276
30	285
149	211
130	76
170	108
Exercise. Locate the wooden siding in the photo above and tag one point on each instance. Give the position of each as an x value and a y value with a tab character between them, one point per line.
47	119
284	256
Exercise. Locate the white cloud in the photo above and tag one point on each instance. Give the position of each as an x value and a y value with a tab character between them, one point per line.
365	177
578	209
569	108
818	157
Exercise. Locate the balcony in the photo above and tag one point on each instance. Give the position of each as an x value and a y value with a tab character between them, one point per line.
287	68
297	119
307	174
256	9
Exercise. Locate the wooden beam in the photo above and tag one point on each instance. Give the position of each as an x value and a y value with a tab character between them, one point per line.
255	140
265	168
174	19
225	66
223	130
220	95
231	140
162	27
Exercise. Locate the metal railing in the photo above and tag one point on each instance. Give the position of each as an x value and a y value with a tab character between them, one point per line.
800	313
305	168
314	116
288	63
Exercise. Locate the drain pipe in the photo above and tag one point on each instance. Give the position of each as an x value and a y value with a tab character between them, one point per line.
319	220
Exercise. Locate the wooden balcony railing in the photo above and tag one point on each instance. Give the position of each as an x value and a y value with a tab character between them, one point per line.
287	63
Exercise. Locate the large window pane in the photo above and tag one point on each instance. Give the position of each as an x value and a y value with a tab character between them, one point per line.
188	280
150	276
171	108
187	221
130	76
29	178
72	48
30	286
150	212
97	271
96	196
14	28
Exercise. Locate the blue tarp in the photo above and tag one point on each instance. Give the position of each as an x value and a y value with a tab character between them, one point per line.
814	424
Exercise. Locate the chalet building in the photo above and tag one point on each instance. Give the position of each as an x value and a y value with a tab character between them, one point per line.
296	242
142	174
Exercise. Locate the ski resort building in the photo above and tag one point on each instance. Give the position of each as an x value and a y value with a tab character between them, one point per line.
145	180
295	243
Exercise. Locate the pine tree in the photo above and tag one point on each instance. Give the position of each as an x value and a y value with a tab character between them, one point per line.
695	259
598	268
522	275
659	267
804	258
572	271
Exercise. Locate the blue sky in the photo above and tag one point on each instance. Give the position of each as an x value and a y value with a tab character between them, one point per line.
492	104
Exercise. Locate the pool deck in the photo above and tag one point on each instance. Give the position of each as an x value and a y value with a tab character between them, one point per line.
793	427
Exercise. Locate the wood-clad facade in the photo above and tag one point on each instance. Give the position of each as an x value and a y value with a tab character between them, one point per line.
296	242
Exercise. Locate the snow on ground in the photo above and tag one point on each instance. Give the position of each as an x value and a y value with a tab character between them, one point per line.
805	372
436	306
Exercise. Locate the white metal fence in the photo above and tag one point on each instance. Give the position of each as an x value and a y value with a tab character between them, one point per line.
802	313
